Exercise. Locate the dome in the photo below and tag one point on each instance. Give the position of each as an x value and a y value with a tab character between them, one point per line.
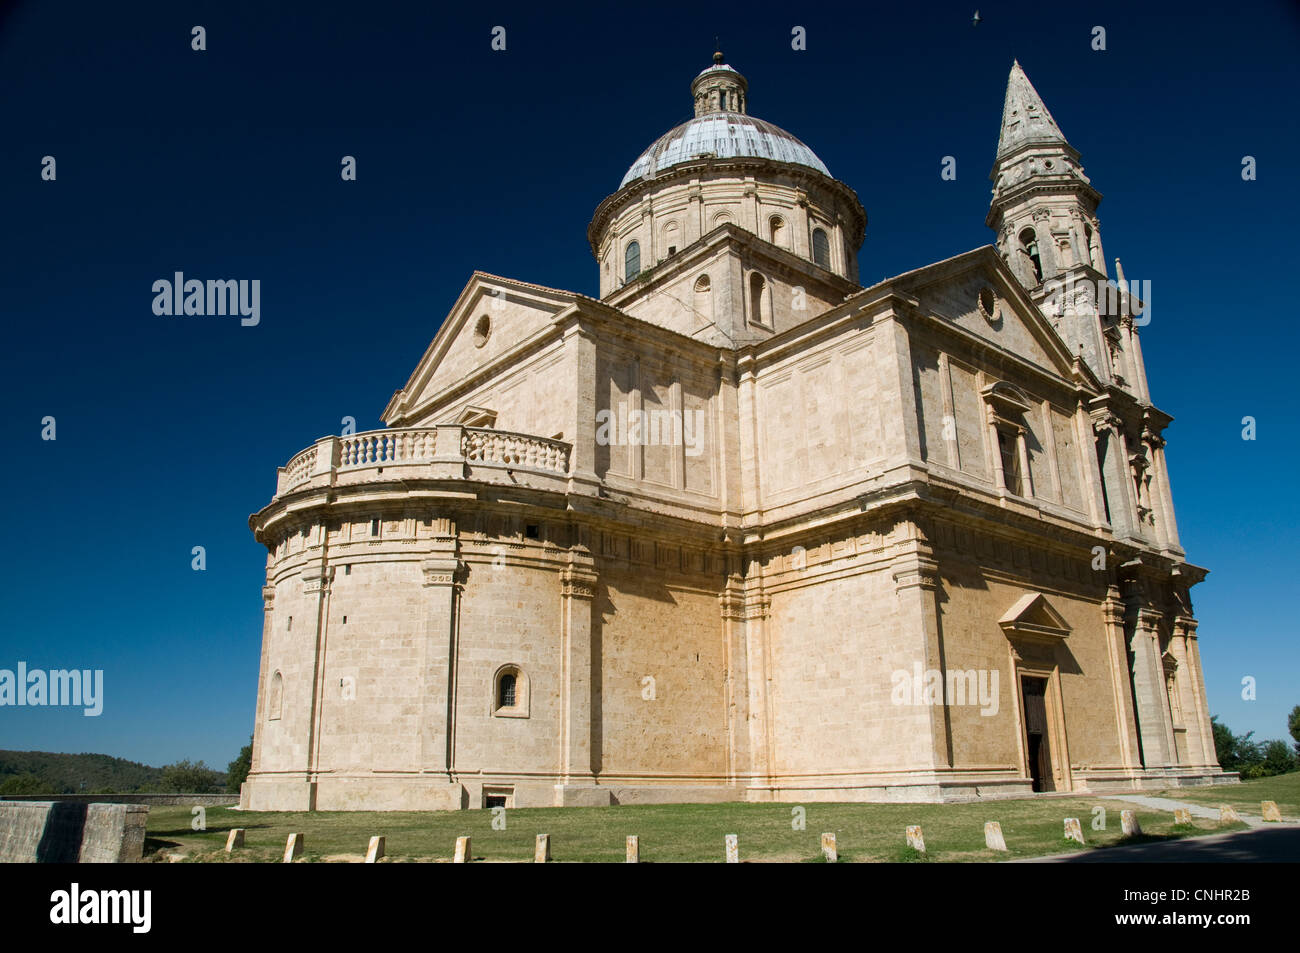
726	135
723	129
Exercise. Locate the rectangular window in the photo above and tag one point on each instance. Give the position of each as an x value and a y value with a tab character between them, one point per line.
1011	477
374	527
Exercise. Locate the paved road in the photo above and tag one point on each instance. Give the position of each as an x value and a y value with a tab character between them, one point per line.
1276	843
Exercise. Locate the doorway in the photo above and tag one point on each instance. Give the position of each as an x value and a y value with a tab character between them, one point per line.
1037	746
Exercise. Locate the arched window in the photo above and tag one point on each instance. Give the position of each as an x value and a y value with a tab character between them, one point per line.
1029	248
760	301
510	692
275	698
703	300
631	261
821	249
778	231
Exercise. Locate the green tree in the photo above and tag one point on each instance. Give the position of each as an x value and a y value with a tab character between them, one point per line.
1235	752
1278	759
237	770
25	784
1293	726
188	777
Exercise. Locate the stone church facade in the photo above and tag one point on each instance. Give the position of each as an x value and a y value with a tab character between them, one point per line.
741	528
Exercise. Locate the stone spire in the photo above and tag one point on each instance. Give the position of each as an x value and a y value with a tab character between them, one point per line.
1025	118
720	88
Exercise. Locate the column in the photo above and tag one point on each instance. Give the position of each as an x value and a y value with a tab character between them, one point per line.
439	653
580	343
1126	725
916	583
578	593
1154	725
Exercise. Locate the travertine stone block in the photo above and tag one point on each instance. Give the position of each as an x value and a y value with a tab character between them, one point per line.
462	851
234	839
1182	815
1269	810
1128	822
633	849
1073	830
915	839
829	849
542	850
375	850
733	849
993	838
1228	814
293	848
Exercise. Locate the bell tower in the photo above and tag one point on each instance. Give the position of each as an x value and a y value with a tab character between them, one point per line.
1044	211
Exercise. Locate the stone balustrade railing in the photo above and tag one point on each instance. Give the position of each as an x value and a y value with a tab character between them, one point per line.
441	452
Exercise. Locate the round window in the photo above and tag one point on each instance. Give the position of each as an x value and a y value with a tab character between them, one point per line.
481	330
988	304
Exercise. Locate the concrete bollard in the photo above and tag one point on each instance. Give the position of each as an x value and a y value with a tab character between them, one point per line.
733	849
1228	814
542	850
1182	816
1073	830
829	849
234	839
633	849
1269	811
915	839
375	850
1128	822
293	849
993	838
462	851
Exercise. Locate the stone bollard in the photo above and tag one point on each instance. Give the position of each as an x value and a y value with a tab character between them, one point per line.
1182	816
1128	822
542	850
1228	814
1073	830
633	849
375	850
733	849
462	851
234	839
1270	812
993	838
915	839
293	849
829	849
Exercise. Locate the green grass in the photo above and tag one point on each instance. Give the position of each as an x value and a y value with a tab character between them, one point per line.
1284	788
669	833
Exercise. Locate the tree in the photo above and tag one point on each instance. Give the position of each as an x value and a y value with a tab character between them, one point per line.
1293	726
25	784
237	770
1235	752
1278	759
189	777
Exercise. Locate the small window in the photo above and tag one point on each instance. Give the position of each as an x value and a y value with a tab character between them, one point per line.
482	331
821	249
1029	248
1010	451
374	527
288	626
506	691
532	531
672	250
510	692
494	800
632	261
347	570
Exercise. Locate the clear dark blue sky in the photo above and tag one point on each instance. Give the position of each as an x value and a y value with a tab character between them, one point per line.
225	163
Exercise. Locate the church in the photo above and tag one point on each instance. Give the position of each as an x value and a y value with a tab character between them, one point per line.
741	529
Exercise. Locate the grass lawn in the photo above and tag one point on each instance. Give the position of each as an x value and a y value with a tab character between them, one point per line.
668	833
1284	788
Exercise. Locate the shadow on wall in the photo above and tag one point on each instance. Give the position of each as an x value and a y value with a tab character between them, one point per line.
64	828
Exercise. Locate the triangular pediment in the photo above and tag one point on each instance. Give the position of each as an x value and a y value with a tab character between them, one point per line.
978	294
492	318
1033	617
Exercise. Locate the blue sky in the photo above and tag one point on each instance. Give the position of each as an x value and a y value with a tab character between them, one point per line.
225	163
